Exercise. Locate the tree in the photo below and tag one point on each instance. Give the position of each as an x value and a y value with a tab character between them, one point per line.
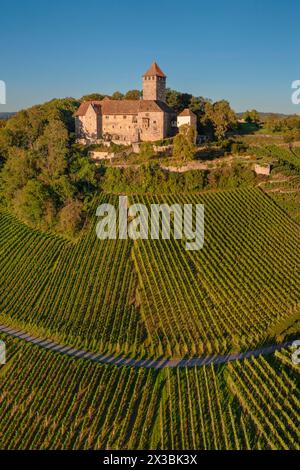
70	217
117	95
52	148
43	168
30	203
146	150
19	168
177	100
133	95
184	146
252	116
197	104
92	97
273	123
220	117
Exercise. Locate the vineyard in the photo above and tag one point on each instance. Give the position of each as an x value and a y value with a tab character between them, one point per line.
282	155
50	401
153	298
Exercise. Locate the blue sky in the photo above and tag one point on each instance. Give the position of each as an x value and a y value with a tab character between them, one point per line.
245	52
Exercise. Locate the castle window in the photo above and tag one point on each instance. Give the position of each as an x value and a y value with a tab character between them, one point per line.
124	117
107	117
146	123
154	122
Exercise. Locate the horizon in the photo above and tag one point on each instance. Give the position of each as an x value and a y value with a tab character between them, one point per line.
205	50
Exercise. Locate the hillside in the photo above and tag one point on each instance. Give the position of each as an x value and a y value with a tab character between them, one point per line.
153	297
49	401
6	115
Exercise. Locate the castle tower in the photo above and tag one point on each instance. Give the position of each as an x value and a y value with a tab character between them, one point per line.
154	84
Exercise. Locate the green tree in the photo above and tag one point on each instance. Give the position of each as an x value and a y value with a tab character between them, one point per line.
30	203
70	217
146	150
133	95
92	97
52	148
19	168
184	143
43	168
177	100
252	116
220	117
274	123
117	95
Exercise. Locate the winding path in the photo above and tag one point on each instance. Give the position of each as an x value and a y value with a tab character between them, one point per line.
143	363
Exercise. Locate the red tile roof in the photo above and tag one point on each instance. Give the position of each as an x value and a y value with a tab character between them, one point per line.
187	112
108	107
81	111
154	71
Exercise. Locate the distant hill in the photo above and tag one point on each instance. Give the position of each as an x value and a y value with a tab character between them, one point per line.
264	116
6	115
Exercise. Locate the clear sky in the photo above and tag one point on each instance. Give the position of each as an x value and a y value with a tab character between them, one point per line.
244	51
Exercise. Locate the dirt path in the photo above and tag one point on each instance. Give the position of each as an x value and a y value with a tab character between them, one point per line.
140	363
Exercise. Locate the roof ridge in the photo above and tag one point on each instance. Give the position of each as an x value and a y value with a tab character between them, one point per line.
154	71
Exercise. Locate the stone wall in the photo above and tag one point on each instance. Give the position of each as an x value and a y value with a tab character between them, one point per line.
121	127
262	170
152	126
154	88
125	129
88	126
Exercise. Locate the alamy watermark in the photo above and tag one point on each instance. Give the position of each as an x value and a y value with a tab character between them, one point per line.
2	352
139	222
296	94
2	92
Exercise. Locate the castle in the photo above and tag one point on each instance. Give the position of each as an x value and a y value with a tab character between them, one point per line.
129	121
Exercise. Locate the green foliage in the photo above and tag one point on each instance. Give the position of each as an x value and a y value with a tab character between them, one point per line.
184	143
288	158
146	150
179	101
277	124
252	116
220	118
30	202
155	296
44	170
151	179
232	145
236	406
92	97
117	95
133	95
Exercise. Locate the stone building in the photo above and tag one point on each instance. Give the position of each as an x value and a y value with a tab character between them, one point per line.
264	170
128	121
187	117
